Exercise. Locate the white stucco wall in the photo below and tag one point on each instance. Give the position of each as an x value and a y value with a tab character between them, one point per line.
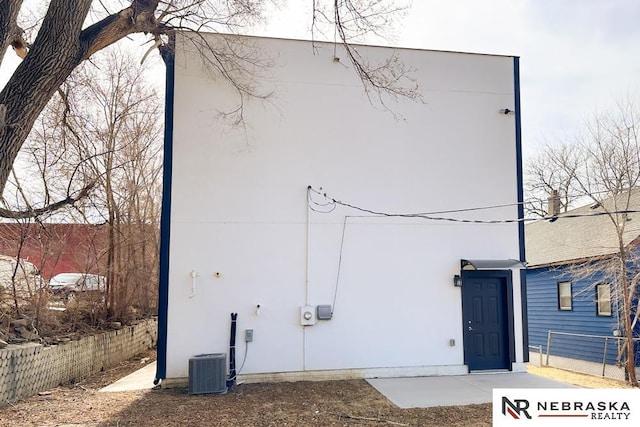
239	208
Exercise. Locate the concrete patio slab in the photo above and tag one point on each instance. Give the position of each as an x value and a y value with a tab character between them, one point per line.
426	392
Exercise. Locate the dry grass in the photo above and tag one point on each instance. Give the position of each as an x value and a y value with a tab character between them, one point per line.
582	380
332	403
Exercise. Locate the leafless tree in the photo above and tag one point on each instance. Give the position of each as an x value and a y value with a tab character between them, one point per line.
603	167
553	169
114	141
63	40
103	130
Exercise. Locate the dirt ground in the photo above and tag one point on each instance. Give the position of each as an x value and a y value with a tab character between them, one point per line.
331	403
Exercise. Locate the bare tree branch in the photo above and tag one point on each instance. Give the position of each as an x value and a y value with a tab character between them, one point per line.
35	212
554	168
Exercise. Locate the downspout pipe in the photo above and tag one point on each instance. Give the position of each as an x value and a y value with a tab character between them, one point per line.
520	195
168	55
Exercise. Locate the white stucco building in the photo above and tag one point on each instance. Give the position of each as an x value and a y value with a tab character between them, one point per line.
247	227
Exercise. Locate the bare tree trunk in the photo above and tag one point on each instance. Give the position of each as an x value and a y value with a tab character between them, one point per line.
627	300
56	52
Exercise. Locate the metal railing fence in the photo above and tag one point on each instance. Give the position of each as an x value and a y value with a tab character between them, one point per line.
597	355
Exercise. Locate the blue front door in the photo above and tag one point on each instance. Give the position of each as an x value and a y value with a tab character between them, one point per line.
486	332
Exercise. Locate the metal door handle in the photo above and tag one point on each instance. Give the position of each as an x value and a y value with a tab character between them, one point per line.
470	328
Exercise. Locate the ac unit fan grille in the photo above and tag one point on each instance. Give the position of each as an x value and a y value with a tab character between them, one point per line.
207	373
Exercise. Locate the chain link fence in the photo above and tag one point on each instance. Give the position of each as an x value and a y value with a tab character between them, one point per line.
589	354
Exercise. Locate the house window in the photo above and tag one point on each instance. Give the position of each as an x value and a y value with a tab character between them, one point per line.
564	295
603	301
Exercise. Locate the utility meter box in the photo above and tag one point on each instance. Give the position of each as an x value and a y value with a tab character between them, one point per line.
324	312
308	315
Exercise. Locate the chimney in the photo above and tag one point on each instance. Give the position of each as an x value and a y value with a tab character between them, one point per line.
553	206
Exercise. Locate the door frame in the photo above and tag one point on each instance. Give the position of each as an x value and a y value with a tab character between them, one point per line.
500	274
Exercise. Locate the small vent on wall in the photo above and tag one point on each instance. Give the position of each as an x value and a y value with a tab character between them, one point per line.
207	373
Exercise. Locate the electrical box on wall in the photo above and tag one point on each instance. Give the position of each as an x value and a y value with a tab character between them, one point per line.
324	312
307	315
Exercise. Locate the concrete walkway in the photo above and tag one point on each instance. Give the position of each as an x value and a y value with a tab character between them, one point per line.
425	392
142	379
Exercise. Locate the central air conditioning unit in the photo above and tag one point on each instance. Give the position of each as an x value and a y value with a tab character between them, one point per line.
208	373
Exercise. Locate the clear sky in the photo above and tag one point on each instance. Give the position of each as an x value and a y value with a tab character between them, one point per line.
576	56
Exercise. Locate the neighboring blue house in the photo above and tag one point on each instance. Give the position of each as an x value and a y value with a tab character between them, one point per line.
560	299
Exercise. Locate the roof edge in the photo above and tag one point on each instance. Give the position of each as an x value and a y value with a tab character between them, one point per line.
329	42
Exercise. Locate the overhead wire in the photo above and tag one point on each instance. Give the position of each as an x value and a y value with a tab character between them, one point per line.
332	206
478	208
431	215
